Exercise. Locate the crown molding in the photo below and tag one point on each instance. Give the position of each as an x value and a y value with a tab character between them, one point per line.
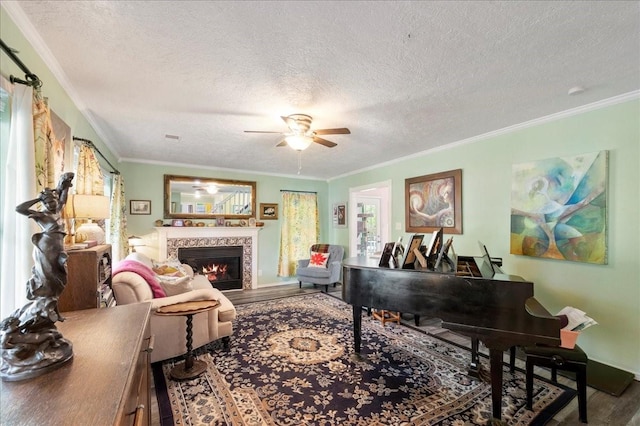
516	127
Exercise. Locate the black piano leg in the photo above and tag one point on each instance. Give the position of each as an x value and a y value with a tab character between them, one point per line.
496	382
357	327
474	367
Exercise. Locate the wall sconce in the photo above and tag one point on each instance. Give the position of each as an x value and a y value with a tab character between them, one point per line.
89	207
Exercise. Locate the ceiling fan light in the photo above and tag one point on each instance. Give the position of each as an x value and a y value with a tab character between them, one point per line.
298	142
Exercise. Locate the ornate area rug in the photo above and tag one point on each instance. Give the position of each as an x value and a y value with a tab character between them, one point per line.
291	362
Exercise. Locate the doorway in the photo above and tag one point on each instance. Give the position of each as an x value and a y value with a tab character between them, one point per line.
369	218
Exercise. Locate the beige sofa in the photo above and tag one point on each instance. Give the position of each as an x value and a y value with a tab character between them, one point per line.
170	331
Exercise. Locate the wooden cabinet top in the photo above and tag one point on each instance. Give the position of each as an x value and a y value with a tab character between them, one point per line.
95	249
90	388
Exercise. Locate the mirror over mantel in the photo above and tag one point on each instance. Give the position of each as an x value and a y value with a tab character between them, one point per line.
190	197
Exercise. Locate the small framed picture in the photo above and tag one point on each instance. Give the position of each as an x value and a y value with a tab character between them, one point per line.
177	222
340	215
139	206
220	221
268	211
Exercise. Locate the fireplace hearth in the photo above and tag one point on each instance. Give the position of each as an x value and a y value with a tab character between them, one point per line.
221	265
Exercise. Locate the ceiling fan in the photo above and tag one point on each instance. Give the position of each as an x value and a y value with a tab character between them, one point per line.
301	136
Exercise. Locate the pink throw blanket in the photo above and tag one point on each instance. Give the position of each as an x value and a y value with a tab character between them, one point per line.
144	272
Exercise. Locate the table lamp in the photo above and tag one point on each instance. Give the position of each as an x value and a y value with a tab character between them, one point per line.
135	242
89	207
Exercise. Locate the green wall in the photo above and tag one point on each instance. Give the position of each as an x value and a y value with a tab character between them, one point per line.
145	181
608	293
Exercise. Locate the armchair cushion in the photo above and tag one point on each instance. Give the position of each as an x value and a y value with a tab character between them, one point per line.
318	260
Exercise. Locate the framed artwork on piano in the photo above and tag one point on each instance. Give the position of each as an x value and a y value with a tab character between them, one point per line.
409	258
434	201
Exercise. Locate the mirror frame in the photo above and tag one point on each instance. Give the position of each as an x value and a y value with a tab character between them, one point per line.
205	180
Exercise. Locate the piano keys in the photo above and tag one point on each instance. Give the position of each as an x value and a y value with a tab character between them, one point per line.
500	311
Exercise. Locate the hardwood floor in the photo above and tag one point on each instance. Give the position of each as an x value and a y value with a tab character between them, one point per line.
602	408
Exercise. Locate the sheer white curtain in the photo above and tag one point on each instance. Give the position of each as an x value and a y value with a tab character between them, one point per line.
19	185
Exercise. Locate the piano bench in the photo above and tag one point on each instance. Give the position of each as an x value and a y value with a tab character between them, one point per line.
556	357
386	316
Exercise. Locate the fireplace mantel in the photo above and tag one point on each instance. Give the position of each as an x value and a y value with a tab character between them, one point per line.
169	237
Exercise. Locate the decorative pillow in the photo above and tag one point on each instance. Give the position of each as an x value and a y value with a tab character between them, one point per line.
175	285
170	268
318	260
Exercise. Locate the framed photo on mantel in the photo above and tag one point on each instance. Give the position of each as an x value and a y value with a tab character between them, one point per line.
433	202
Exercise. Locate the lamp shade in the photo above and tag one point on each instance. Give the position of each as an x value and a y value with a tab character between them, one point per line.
135	242
83	206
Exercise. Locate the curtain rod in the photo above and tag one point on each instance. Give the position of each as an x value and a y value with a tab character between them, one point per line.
31	78
92	145
304	192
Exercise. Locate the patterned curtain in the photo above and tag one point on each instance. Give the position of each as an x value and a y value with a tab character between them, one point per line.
300	229
118	225
89	179
49	151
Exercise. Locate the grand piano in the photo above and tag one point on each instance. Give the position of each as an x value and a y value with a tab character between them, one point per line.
473	298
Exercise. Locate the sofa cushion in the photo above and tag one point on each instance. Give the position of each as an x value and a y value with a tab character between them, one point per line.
172	268
175	285
318	260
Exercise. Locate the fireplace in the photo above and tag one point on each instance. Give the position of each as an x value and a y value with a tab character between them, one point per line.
221	265
172	238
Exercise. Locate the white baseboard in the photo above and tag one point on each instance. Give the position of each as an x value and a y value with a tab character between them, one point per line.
277	283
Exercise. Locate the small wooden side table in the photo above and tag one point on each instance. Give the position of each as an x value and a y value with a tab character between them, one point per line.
191	368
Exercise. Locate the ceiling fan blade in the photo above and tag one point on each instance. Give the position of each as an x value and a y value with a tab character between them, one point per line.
340	131
282	143
260	131
324	142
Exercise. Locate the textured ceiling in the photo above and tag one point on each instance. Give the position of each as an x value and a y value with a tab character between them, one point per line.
404	77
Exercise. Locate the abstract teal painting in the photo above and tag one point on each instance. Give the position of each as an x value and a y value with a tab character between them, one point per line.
559	208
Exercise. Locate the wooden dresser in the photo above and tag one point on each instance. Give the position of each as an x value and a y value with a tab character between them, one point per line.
107	382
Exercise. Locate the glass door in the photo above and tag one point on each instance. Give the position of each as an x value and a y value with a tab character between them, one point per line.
368	226
369	216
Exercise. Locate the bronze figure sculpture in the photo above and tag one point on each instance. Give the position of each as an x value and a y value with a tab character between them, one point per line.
30	342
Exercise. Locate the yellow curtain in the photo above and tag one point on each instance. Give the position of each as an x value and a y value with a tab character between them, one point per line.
49	151
89	179
300	229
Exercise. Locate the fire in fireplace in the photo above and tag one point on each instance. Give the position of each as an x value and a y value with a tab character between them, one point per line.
221	265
